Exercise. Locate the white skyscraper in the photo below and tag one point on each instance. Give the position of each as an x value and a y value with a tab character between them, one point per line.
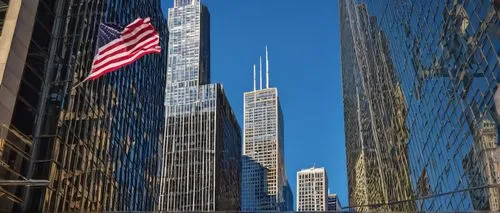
263	155
312	188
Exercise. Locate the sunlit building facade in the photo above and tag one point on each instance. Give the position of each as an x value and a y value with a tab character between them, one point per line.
201	151
312	190
263	144
96	147
421	122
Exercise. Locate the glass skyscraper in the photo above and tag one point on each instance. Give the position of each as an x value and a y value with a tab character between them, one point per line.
421	123
201	151
95	146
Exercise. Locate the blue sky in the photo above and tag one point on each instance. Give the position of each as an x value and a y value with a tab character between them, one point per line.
304	51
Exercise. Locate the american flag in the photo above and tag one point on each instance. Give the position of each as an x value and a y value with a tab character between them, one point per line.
119	47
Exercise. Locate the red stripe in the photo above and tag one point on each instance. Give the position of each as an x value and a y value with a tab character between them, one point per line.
118	60
155	41
150	27
123	48
137	56
134	24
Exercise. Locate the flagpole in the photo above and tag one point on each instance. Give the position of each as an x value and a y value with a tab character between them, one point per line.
80	83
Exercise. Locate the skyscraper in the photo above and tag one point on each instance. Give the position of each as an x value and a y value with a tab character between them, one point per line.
263	145
421	122
94	147
312	193
374	111
201	153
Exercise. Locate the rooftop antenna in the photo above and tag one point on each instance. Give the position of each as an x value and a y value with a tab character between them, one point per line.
260	59
267	69
254	80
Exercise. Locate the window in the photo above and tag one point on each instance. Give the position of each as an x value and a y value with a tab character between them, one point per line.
4	4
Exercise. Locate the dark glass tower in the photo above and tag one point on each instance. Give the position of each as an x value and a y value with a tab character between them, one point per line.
201	156
97	145
419	79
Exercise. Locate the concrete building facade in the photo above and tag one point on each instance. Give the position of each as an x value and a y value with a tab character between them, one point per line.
312	189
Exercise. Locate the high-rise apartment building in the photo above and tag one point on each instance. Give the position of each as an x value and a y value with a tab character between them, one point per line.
263	144
312	190
201	152
91	148
333	203
421	122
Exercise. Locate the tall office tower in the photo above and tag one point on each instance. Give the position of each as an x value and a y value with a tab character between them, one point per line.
201	156
374	111
333	203
445	68
263	144
312	189
91	148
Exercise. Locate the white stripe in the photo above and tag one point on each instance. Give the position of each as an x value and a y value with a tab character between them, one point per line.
124	45
126	36
128	52
138	19
120	62
136	30
143	48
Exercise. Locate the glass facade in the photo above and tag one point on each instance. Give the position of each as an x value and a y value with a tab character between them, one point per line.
97	145
264	148
421	123
332	203
201	153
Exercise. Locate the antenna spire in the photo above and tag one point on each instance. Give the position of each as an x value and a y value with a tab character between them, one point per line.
254	80
267	69
260	59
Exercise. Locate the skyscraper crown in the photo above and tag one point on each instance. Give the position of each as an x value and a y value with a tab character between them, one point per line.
181	3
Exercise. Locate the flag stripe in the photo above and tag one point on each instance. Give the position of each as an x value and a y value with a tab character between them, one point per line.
116	66
118	57
134	41
125	46
135	24
117	60
117	40
126	37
